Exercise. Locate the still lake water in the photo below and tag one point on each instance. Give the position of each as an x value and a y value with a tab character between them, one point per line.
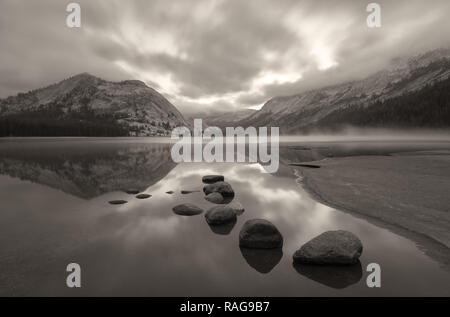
54	197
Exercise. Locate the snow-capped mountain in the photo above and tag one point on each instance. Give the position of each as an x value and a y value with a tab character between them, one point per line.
306	110
88	105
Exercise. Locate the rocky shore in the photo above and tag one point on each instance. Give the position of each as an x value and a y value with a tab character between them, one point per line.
407	194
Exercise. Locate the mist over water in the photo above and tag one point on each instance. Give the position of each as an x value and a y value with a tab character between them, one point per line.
378	135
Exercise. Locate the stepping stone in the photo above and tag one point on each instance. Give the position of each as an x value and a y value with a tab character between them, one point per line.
143	196
187	210
223	188
220	215
184	192
215	198
305	165
210	179
260	234
331	247
117	202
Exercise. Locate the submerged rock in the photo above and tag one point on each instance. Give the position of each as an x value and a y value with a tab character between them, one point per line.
237	207
184	192
260	234
132	191
220	215
331	247
262	260
117	202
210	179
170	192
305	165
143	196
335	276
299	148
215	198
223	188
187	210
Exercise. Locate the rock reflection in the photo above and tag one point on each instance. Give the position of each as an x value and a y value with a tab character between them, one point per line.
262	260
223	229
335	276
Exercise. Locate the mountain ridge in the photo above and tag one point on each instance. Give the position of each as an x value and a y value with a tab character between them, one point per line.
86	105
90	106
300	112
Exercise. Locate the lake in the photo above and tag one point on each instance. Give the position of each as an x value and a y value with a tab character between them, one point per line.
54	197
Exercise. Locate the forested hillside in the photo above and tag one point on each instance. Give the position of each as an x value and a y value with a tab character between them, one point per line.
427	108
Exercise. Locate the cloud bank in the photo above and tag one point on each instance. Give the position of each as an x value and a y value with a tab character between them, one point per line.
213	55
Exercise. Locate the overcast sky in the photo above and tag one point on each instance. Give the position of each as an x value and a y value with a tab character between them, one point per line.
206	54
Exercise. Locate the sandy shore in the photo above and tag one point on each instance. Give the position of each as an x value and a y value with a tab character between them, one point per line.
406	193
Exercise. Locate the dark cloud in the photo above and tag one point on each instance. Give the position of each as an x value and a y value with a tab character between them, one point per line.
213	54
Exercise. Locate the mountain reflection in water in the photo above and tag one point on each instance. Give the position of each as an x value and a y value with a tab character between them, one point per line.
87	170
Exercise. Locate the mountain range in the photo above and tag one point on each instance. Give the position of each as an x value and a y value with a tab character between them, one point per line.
412	92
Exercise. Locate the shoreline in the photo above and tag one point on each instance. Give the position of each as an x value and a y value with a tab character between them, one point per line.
353	194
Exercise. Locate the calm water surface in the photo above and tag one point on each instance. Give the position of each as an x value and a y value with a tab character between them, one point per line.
54	210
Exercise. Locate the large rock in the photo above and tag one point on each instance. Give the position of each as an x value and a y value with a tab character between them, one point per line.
210	179
260	234
223	188
187	210
331	247
215	198
220	215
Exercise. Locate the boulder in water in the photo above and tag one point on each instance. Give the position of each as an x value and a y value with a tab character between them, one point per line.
223	188
187	210
331	247
210	179
215	198
260	234
220	215
117	202
143	196
185	192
